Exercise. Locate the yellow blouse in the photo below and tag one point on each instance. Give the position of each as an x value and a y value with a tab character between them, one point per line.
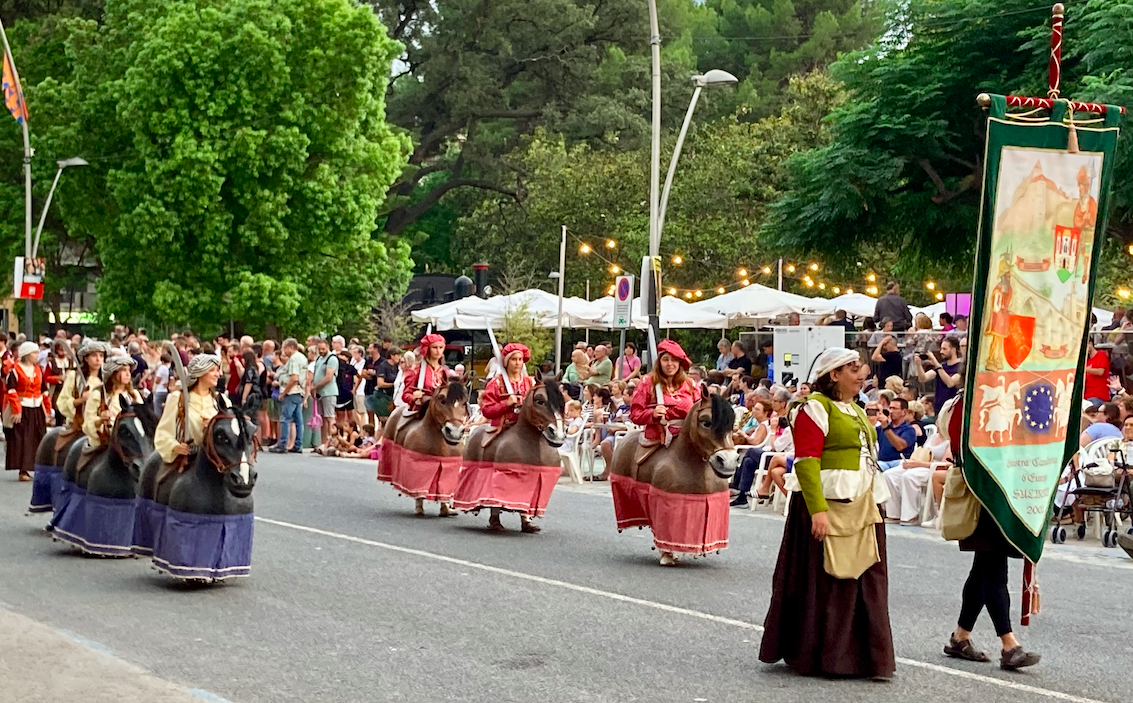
66	402
202	408
92	412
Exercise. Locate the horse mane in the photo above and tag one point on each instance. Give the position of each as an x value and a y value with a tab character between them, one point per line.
149	419
457	393
723	415
554	392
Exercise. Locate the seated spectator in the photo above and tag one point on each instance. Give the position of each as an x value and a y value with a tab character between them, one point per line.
696	374
725	357
840	320
363	445
895	436
1107	424
740	365
917	421
575	425
756	425
929	402
907	482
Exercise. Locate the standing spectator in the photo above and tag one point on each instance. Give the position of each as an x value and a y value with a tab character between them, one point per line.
601	369
740	365
793	319
249	392
1096	386
1115	323
840	320
385	377
725	356
961	326
387	344
629	364
895	436
325	387
948	371
347	373
292	378
161	383
946	325
370	383
140	373
888	359
893	306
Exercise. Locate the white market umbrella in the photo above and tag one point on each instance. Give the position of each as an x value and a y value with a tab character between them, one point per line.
754	304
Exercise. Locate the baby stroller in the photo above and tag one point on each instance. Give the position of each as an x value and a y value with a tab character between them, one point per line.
1100	486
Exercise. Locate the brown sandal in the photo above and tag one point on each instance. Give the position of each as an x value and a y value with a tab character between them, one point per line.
964	649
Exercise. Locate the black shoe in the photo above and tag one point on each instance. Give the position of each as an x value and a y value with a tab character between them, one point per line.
1016	658
295	450
964	649
275	449
739	501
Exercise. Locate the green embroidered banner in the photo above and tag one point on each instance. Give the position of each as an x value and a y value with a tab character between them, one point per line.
1042	223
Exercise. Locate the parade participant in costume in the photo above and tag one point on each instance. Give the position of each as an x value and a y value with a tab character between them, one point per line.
29	405
59	367
662	418
77	386
502	408
432	367
673	477
105	402
829	612
204	375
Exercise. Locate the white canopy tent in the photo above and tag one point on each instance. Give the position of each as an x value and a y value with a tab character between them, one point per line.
755	304
675	314
478	313
855	304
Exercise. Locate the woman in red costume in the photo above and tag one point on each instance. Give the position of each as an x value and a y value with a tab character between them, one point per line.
496	403
662	420
29	403
432	353
501	408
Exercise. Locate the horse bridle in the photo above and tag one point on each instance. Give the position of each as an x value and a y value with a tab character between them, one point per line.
537	386
209	444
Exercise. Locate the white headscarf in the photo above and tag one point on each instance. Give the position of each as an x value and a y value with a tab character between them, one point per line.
25	349
114	363
830	359
90	346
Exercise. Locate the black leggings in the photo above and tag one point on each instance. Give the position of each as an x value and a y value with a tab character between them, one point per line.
987	587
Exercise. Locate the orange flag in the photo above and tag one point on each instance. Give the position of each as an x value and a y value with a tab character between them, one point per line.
13	92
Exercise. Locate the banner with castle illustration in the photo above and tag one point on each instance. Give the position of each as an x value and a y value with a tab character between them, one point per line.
1042	225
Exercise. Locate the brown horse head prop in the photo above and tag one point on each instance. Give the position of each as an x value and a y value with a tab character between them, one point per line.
447	410
708	429
543	409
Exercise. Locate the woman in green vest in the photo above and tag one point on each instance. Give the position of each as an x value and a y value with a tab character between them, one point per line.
829	613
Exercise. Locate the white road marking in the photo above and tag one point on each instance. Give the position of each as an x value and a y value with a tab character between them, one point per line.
990	680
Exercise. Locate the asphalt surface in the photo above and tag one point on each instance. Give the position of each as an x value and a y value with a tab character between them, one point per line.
351	598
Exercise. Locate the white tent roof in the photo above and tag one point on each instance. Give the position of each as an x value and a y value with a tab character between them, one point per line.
675	314
478	313
855	304
756	303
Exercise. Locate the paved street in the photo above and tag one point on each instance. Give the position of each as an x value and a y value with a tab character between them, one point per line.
351	598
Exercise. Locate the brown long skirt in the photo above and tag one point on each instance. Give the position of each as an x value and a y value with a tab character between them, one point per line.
24	440
820	625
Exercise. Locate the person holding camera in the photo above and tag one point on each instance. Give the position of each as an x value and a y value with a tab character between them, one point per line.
947	371
895	436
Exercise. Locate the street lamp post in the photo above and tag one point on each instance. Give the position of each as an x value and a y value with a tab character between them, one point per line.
33	246
561	275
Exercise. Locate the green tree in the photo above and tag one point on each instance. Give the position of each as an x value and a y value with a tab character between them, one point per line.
242	162
904	169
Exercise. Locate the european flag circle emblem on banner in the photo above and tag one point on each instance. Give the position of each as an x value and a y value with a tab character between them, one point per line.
1038	407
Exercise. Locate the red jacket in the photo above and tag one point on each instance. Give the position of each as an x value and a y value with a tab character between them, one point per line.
493	400
434	379
24	386
645	399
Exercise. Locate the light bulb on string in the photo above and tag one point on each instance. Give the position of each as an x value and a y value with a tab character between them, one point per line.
814	267
742	273
1123	293
835	290
790	268
1131	249
672	291
615	269
766	270
940	296
678	260
698	293
849	291
930	285
584	248
688	295
871	278
809	283
610	291
611	244
745	283
821	286
720	290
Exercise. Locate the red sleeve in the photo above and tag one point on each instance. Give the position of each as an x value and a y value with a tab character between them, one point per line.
807	436
640	412
410	386
493	399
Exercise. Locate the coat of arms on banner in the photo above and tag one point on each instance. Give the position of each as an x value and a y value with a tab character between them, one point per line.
1036	308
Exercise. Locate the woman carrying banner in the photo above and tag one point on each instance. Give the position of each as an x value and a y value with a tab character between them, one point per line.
29	405
986	586
829	611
